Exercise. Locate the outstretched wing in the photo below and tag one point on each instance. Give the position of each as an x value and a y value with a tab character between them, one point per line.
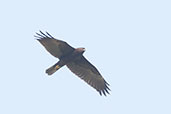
57	48
86	71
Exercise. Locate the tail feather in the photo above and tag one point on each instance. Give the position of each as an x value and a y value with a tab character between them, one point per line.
52	69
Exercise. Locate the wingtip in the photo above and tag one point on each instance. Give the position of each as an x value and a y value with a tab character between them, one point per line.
104	91
100	93
42	35
49	35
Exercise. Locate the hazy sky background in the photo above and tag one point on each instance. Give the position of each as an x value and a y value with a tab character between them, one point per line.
129	41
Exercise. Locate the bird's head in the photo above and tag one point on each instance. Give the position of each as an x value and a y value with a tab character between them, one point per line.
80	50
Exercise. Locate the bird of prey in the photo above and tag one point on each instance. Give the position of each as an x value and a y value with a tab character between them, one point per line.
73	58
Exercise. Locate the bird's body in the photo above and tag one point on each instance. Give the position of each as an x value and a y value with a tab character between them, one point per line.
64	60
73	58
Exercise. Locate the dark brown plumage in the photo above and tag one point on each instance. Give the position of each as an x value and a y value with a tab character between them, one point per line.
74	60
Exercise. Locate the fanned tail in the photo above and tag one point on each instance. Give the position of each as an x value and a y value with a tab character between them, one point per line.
53	69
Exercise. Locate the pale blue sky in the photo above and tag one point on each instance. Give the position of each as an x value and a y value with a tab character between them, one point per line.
129	41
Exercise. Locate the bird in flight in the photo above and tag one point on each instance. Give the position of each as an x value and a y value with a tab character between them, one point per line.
73	58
